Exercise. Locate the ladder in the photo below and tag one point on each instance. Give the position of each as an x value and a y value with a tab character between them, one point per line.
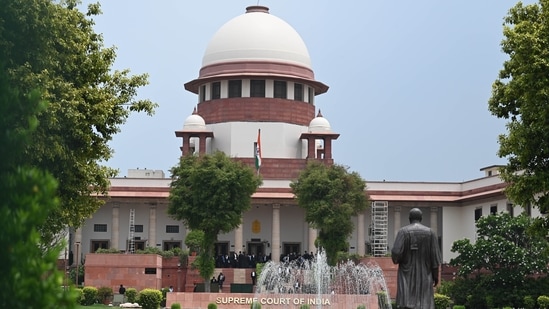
378	238
131	240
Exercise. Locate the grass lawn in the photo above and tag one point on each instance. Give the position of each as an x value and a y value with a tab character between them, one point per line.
92	306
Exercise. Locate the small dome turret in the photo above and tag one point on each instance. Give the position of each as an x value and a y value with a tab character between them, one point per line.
319	124
194	122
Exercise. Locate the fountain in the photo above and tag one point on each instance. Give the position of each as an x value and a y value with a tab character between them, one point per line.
312	282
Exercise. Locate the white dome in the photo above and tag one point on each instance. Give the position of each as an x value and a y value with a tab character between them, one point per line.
319	124
194	123
256	35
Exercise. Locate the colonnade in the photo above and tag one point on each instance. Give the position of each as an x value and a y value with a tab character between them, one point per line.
275	233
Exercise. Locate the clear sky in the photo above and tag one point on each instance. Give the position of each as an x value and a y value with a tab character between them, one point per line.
409	80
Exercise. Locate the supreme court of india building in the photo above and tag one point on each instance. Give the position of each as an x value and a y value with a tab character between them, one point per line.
256	74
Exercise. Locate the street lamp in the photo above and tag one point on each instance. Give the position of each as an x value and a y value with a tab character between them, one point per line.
77	261
178	277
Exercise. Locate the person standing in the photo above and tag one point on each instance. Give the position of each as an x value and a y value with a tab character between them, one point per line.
220	280
122	290
254	275
418	256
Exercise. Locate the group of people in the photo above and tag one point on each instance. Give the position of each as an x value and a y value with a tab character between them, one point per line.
300	259
219	280
240	260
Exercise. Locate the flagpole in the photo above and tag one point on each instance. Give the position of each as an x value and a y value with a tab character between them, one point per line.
257	152
255	158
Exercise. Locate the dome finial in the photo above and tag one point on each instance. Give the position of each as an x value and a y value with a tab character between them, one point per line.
257	8
194	111
319	113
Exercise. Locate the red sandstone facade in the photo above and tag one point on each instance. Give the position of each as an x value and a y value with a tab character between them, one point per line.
256	109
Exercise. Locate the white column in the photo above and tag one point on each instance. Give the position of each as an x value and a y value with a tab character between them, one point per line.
115	231
152	227
77	245
434	219
397	217
187	230
238	239
312	237
361	246
275	242
78	252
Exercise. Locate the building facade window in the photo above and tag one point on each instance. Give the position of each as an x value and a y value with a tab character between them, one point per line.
138	243
494	209
138	228
280	89
311	95
221	248
172	228
168	245
257	88
99	227
298	92
216	90
235	88
511	209
291	248
478	214
150	271
99	244
203	93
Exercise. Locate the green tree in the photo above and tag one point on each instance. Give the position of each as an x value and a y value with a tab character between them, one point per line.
330	196
51	45
194	239
210	193
27	195
503	256
520	94
504	247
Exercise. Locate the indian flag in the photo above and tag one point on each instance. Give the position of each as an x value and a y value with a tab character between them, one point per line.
258	151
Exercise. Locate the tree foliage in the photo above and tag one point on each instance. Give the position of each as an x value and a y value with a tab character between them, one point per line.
520	94
330	196
504	248
503	264
210	193
51	46
194	239
27	195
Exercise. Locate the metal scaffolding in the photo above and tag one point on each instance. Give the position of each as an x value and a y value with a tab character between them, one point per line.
131	238
380	222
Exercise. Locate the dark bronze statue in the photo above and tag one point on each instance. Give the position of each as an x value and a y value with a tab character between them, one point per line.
418	257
